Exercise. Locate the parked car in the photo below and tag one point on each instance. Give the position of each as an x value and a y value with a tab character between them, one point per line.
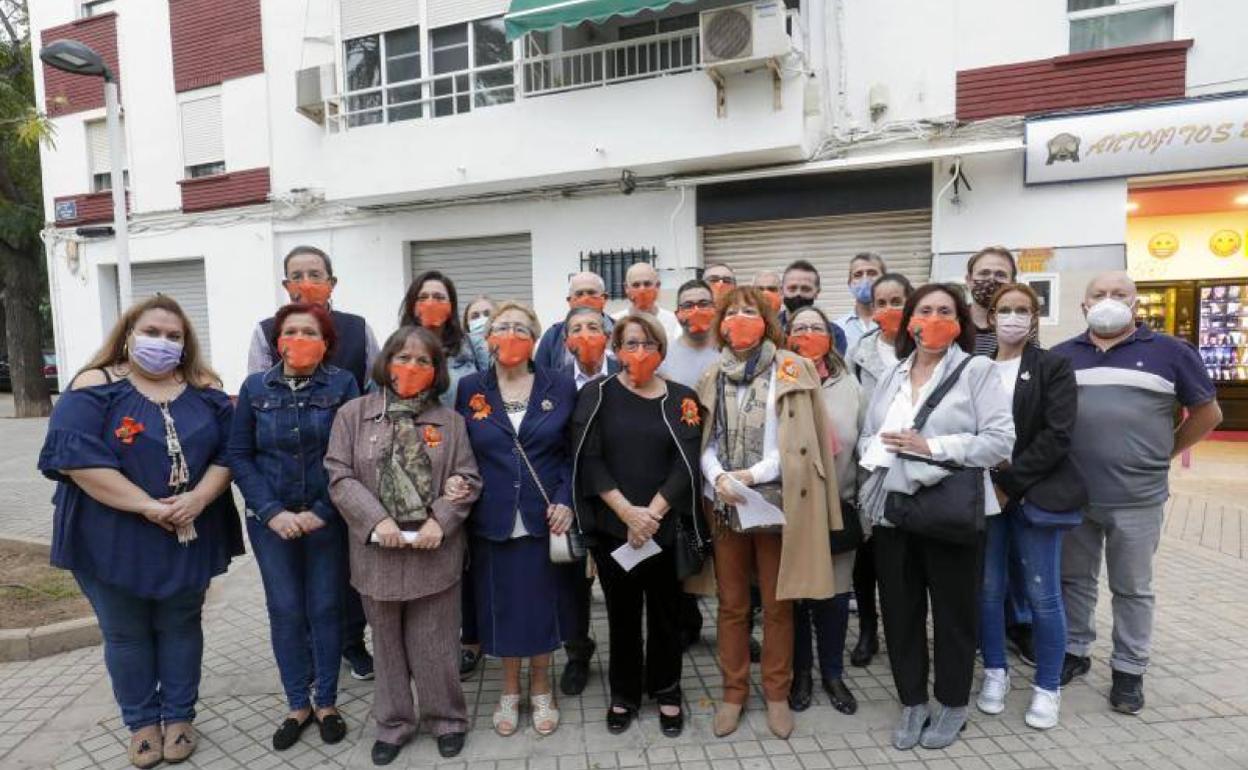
49	373
6	384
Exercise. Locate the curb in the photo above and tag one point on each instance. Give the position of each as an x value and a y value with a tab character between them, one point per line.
19	644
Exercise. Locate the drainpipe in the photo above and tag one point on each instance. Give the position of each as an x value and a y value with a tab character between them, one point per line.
953	177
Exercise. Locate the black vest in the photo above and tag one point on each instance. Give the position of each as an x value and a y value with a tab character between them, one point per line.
351	351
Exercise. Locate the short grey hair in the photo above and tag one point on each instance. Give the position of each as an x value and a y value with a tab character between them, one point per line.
602	285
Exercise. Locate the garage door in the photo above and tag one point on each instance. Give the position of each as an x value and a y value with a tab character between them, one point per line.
182	280
903	238
501	266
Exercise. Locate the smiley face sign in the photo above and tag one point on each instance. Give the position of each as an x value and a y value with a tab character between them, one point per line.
1163	245
1225	243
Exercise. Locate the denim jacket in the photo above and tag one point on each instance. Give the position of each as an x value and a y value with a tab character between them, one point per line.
278	439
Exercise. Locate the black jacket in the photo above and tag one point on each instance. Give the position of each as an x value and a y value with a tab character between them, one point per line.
592	514
1045	400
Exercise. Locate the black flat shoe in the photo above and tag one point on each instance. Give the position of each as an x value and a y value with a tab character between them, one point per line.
618	721
1073	666
384	753
866	648
842	699
575	676
468	661
288	732
673	725
333	728
450	745
799	692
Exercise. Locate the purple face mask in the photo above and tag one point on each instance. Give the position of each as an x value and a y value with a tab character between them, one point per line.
155	355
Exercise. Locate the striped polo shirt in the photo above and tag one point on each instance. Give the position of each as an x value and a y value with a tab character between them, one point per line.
1124	431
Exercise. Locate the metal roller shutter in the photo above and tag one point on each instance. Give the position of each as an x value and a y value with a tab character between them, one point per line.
501	267
182	280
443	12
365	17
903	238
97	146
202	134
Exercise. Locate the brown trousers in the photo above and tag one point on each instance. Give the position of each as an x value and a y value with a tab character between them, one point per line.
417	642
738	557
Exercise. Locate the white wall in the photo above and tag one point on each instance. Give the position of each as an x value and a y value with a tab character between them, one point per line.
245	122
1218	60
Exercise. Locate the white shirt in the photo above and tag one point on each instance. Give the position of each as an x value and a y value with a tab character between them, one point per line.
767	469
854	328
886	350
518	529
581	378
1008	372
668	319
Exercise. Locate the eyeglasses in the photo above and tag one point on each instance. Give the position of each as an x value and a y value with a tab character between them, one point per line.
1006	312
809	329
721	279
633	346
705	304
520	330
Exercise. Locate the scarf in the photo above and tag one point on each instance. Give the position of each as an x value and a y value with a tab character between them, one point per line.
741	419
405	487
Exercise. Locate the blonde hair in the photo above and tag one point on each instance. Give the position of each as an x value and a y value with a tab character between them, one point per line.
653	329
116	350
536	325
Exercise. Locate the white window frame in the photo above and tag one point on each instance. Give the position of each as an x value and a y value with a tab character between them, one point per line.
1123	7
85	8
102	181
385	85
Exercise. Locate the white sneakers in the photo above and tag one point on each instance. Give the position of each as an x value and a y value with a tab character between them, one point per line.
1043	711
992	692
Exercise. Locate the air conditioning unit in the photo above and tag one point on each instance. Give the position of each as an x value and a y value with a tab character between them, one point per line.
740	35
313	85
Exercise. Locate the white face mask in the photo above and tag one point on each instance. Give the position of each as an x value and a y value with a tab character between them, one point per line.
1013	329
1109	316
479	324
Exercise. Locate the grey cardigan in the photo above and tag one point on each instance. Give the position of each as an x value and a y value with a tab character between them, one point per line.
974	424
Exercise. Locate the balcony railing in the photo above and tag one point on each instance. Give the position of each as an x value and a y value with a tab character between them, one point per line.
454	93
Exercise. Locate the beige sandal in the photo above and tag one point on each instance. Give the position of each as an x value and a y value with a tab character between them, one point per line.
544	713
179	742
146	747
507	715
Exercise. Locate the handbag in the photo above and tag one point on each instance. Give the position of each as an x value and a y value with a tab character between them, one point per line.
691	550
951	510
1043	518
567	548
850	536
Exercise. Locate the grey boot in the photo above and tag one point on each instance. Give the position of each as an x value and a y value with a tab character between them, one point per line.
944	729
910	726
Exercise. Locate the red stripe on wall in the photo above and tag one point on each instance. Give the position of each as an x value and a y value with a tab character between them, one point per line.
236	188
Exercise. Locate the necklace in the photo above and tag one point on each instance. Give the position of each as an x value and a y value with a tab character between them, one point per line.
515	407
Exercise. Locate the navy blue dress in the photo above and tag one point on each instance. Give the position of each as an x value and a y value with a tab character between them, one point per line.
525	605
124	549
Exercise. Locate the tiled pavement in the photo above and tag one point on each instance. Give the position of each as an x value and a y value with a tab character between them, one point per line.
58	712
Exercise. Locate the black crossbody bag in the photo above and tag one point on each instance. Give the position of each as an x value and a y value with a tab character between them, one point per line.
951	510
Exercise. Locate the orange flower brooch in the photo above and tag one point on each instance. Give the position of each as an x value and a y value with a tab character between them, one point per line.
129	430
479	406
689	412
433	436
788	370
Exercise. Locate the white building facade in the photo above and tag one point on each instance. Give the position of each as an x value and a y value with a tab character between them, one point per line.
404	134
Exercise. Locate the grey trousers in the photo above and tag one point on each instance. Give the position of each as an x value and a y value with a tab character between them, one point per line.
1128	537
417	642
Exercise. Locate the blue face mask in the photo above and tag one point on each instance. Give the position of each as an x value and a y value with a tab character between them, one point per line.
479	324
861	290
155	355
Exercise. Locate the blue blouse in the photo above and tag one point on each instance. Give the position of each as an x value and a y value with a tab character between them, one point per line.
121	548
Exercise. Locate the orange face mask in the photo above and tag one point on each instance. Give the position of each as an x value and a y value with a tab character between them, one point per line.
433	312
309	292
643	298
588	347
889	320
510	348
934	333
409	380
640	364
301	352
743	331
596	302
812	346
697	320
773	299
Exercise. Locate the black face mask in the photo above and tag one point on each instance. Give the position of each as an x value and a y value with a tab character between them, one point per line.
794	304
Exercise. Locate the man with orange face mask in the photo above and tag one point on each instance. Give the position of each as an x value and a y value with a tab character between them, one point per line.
643	286
310	278
694	350
584	290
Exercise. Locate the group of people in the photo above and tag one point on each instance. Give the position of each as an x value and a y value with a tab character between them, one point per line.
459	488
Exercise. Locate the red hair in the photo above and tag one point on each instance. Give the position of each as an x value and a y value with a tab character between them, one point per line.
323	320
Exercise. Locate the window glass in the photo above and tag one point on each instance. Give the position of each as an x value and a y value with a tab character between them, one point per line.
1083	5
205	169
1150	25
363	62
403	55
489	42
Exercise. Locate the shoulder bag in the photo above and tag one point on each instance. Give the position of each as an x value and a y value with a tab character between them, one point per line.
567	548
951	510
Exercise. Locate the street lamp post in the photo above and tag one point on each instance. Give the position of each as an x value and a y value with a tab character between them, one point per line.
79	59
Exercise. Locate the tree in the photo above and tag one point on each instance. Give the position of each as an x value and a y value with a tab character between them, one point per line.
23	278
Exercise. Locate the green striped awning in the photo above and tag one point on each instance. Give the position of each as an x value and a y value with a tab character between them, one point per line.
526	16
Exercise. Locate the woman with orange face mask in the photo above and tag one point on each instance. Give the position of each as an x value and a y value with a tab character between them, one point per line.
937	421
517	416
432	302
635	472
403	475
868	361
295	529
766	430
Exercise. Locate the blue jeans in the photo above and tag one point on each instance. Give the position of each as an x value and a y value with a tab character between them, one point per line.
153	650
1039	552
303	587
829	618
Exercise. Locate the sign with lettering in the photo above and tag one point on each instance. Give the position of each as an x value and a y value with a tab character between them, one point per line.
66	210
1190	136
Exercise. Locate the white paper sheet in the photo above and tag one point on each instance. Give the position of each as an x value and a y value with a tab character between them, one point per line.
629	557
408	537
755	511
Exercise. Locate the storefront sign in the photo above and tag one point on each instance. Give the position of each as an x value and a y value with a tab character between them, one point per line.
1193	135
1188	246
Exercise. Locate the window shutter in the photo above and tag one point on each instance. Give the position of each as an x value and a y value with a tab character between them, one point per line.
97	146
366	17
184	281
201	132
501	266
443	12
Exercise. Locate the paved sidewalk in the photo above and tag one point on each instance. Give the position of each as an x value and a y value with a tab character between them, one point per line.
58	712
